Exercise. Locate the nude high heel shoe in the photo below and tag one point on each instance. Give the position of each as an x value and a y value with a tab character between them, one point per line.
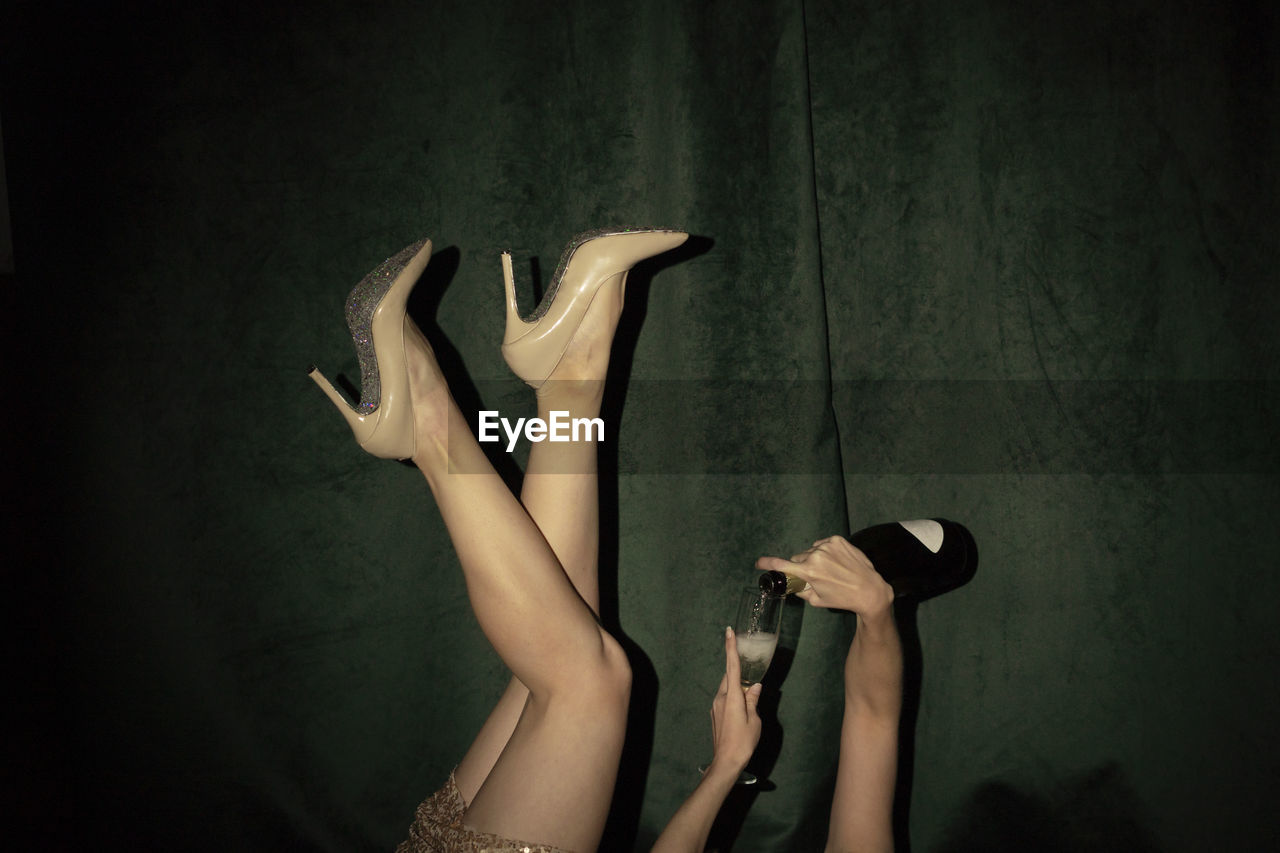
534	346
383	420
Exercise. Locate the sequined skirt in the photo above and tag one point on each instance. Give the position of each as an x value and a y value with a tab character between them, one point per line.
437	828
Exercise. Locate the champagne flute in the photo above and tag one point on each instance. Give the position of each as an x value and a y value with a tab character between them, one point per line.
759	617
756	631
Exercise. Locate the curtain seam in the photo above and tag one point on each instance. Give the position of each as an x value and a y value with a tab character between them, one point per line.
822	280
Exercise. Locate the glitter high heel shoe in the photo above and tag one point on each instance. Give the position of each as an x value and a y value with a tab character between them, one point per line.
383	420
534	346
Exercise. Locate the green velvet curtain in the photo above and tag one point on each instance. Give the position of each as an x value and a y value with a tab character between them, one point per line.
1008	263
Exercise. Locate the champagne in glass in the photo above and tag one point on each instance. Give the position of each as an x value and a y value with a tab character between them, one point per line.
759	615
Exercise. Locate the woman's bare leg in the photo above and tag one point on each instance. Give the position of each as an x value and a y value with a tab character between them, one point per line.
543	766
561	495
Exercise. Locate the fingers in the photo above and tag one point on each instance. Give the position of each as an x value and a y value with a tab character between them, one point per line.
774	564
794	567
752	698
732	666
779	564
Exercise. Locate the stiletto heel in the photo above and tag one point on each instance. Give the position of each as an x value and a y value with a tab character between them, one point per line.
383	421
534	346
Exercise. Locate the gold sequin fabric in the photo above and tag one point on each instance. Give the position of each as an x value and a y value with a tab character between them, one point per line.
437	828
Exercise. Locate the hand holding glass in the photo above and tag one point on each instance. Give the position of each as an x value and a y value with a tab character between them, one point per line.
756	635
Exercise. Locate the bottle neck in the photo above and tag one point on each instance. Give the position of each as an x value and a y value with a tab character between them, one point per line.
781	583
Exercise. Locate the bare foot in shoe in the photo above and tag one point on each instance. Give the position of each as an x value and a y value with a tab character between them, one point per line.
428	390
586	360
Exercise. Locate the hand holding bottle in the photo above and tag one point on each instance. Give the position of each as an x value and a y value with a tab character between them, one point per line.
918	559
837	575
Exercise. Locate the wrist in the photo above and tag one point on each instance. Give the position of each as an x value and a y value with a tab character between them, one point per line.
879	622
722	769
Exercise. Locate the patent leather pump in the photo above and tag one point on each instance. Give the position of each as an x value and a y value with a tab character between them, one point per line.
382	421
594	261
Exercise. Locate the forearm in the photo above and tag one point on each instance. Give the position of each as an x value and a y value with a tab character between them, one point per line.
873	669
862	806
689	827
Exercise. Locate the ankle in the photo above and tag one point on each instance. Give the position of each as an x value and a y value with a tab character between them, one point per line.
436	417
579	397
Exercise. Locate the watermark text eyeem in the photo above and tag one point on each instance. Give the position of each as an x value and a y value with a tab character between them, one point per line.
560	427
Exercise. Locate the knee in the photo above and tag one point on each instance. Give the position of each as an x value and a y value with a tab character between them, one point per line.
610	679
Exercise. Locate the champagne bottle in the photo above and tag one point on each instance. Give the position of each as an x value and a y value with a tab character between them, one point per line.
919	559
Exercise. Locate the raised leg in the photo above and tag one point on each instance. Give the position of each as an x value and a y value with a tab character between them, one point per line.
543	766
561	496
